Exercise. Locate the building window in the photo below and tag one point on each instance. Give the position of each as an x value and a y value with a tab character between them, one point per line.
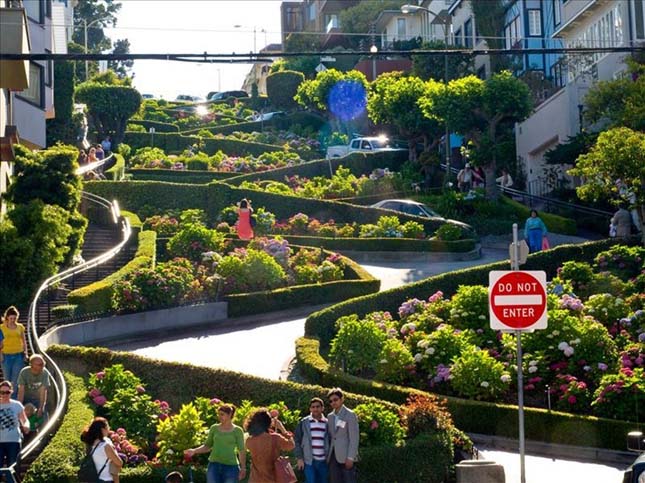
400	28
312	11
557	14
48	8
512	33
458	40
34	93
49	71
639	18
535	23
468	33
35	10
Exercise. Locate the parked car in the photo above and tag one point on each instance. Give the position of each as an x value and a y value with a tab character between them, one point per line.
219	96
147	96
267	116
188	98
411	207
363	145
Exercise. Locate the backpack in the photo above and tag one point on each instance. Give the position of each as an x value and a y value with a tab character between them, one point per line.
87	470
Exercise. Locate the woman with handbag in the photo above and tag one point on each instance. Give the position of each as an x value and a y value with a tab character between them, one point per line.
267	466
100	449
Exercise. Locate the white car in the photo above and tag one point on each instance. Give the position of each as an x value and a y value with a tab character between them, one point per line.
187	98
267	116
362	145
411	207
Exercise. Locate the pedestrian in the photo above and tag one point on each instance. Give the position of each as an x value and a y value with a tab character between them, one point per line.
265	446
107	462
342	425
225	443
629	197
33	384
106	144
534	231
479	177
465	178
174	477
312	443
14	349
622	222
100	154
82	157
244	225
91	155
505	180
13	423
35	422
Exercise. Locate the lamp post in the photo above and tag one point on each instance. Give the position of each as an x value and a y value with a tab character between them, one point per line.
255	33
442	18
373	50
85	27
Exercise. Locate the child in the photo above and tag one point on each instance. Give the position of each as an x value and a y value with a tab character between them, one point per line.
35	422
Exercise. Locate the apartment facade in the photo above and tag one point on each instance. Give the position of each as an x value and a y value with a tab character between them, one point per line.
588	23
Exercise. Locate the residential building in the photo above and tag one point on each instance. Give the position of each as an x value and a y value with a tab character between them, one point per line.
260	71
589	23
314	16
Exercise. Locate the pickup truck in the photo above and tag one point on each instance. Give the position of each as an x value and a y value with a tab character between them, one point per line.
362	145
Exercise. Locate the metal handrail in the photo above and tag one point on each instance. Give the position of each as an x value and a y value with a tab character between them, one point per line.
86	168
58	383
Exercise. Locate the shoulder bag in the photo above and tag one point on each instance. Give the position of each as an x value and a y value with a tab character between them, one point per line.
283	470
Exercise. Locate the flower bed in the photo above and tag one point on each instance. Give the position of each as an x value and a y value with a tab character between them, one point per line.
424	424
186	116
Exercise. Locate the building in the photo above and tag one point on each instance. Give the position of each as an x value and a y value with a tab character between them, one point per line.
589	23
260	71
314	16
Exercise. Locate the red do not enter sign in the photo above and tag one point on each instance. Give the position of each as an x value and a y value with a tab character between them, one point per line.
517	300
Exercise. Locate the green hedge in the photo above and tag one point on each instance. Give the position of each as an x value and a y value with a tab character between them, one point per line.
176	143
358	163
321	324
250	126
357	282
135	221
554	223
158	125
212	198
97	296
116	172
178	176
58	462
384	244
500	419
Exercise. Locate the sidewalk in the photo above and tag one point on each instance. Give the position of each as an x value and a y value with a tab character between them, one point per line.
502	242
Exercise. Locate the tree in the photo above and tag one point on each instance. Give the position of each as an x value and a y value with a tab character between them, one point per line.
103	14
360	18
481	110
489	18
300	42
110	102
343	94
121	67
394	99
619	154
282	87
434	66
621	102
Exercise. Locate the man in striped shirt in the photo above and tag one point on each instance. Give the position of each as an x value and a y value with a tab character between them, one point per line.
312	443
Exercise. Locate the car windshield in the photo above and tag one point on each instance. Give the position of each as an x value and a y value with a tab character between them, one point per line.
380	143
429	210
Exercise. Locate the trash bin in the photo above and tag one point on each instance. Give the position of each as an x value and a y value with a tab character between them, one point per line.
480	471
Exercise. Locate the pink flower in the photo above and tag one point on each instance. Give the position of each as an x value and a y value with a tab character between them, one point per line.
140	389
572	399
100	400
100	375
120	431
94	392
215	401
274	413
374	424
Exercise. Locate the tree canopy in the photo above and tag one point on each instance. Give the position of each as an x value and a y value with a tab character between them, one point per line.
334	91
103	14
434	67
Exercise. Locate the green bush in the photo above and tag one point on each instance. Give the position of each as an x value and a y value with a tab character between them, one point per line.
253	271
622	261
357	345
620	395
194	239
197	164
179	432
554	223
378	425
393	362
448	232
282	87
477	375
117	172
178	176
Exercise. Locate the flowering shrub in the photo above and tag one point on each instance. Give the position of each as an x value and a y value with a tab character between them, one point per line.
130	454
378	425
623	261
572	395
357	345
264	221
469	307
165	226
619	395
193	240
440	347
108	381
578	274
250	271
423	414
606	308
477	375
186	429
394	362
449	232
275	247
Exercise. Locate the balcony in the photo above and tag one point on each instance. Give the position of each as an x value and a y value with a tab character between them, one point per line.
14	39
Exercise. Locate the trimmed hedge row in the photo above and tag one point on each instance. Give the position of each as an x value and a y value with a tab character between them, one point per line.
554	223
176	143
158	125
501	419
305	119
97	296
321	324
178	176
358	282
57	464
358	163
116	172
384	244
212	198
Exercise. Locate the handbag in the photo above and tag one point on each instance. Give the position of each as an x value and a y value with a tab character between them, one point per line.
87	470
282	467
545	243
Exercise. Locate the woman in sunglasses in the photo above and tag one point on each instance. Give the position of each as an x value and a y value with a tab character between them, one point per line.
13	423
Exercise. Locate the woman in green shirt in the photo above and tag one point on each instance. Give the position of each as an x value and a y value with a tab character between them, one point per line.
225	442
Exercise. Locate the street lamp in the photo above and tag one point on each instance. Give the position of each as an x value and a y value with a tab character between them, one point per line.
86	25
373	50
442	18
254	35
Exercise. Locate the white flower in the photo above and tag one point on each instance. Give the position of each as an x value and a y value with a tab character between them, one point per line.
533	369
556	332
484	384
533	363
170	451
574	341
482	317
568	351
430	350
418	357
586	368
383	361
423	343
505	378
549	336
563	345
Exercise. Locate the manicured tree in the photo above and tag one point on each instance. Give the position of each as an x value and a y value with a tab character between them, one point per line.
110	102
394	99
434	66
61	128
618	154
334	91
282	87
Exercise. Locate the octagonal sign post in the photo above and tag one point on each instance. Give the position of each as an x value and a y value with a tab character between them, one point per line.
517	300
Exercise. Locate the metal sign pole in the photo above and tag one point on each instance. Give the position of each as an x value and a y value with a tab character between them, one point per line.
515	265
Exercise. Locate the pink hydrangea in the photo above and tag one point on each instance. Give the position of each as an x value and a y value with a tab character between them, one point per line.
374	424
141	389
94	392
100	400
572	399
215	401
100	375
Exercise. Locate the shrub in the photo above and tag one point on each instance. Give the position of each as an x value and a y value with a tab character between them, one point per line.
198	164
623	261
282	87
193	240
477	375
425	414
620	395
378	425
579	274
439	348
449	232
606	308
111	379
394	362
164	225
250	271
133	409
412	229
357	345
179	432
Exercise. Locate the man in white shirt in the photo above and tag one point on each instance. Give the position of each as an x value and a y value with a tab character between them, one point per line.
312	443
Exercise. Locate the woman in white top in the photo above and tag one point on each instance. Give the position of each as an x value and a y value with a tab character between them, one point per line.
13	422
106	461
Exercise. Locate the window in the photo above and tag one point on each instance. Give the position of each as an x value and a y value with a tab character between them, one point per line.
458	40
512	33
400	28
535	23
35	10
557	14
49	71
468	33
312	11
639	18
34	93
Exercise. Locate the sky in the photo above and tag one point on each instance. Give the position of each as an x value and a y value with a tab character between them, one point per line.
194	26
